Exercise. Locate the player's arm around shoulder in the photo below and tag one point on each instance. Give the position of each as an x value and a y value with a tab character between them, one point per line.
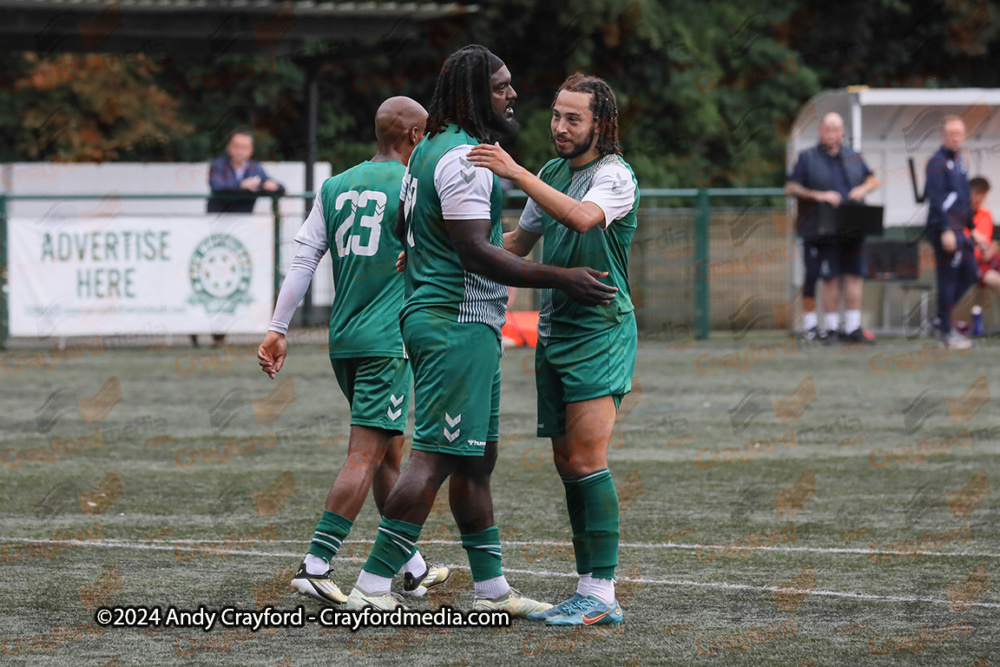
465	193
579	216
520	241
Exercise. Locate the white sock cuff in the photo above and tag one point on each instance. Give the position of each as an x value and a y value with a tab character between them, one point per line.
602	589
852	320
492	588
316	565
372	584
415	566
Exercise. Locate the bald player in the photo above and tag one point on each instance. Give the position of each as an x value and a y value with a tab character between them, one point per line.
353	217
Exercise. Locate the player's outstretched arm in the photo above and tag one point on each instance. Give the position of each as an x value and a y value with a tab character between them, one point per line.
471	241
520	241
579	216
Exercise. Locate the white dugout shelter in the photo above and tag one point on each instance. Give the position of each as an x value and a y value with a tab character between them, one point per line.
890	126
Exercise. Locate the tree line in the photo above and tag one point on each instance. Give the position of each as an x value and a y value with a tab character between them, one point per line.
705	91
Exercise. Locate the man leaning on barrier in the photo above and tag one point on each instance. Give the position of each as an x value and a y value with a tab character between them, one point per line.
235	180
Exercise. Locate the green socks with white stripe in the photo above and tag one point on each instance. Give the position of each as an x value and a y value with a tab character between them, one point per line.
331	531
483	549
394	545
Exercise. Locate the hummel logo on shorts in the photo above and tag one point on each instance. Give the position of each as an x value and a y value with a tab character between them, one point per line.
451	435
394	414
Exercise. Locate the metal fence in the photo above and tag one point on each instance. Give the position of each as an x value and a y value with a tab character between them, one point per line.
698	257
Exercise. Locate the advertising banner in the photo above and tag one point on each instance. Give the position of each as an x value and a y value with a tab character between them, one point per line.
140	275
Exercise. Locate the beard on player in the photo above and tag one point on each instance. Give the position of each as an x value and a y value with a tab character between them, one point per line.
575	148
504	124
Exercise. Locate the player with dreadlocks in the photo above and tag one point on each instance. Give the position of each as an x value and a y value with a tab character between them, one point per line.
451	318
584	203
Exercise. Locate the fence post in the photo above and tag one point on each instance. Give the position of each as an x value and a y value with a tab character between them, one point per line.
701	282
4	269
276	211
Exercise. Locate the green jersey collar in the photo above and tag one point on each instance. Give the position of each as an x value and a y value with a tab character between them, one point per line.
588	165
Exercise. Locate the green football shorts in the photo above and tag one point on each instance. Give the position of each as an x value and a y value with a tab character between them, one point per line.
377	389
456	384
569	370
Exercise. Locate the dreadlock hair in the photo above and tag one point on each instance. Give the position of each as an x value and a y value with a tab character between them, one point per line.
602	104
462	95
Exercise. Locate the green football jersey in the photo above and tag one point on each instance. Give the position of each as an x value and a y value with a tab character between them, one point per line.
359	207
601	249
441	184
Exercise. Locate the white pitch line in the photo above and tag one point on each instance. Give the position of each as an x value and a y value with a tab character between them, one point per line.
663	545
653	582
546	543
773	589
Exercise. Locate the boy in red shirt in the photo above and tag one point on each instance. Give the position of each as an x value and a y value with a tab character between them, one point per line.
987	251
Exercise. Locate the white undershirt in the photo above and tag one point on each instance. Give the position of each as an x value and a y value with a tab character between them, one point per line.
312	246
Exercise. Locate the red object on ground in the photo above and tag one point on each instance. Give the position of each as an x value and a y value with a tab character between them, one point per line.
521	328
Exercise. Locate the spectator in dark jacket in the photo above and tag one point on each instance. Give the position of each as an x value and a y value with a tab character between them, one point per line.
236	173
830	173
232	174
949	214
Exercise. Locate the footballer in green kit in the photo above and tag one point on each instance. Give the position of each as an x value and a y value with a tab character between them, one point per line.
456	272
584	204
354	217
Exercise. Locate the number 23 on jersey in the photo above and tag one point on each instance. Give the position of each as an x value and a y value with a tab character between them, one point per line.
352	243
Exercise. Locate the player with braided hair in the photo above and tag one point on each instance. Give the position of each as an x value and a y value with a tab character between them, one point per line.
451	319
584	203
463	91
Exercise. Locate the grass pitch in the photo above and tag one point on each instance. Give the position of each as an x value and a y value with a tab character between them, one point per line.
780	506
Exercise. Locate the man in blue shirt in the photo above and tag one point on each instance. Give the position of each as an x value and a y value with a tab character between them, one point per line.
237	172
949	214
830	173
